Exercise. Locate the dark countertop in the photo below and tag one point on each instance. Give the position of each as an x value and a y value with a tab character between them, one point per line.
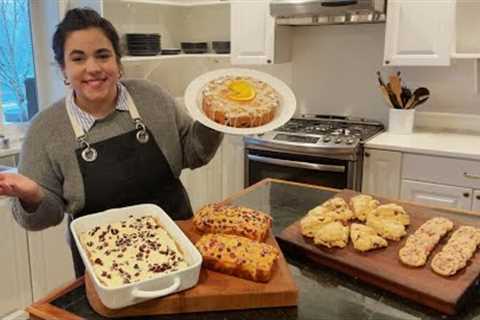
323	292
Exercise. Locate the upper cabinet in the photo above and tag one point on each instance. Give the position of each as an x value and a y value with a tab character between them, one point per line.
419	32
255	39
466	43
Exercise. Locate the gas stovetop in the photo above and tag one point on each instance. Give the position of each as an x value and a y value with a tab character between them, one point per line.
326	132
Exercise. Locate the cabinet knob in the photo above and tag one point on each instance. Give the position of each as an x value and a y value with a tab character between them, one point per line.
367	154
387	61
269	61
477	196
466	194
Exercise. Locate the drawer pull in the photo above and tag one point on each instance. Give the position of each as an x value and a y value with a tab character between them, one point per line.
471	176
478	197
466	194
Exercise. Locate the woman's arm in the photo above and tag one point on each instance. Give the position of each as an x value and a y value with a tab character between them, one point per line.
37	189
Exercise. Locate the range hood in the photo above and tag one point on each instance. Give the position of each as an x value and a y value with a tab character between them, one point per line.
321	12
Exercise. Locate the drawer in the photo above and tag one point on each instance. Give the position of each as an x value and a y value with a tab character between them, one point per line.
449	171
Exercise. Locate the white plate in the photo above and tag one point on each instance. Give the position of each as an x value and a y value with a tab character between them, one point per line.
193	100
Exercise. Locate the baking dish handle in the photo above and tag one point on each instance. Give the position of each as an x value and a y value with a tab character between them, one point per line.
137	293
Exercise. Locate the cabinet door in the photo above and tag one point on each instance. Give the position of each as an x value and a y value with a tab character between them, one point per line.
437	195
419	32
381	173
204	184
252	32
50	259
233	165
15	289
476	201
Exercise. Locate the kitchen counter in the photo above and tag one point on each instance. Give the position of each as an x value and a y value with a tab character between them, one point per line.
323	292
430	142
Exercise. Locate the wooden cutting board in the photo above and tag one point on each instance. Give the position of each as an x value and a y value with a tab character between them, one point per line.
383	268
214	292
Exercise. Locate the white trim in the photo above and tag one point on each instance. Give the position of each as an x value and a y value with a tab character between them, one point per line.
17	315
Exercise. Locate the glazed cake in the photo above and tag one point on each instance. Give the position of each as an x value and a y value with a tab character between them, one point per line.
240	101
131	250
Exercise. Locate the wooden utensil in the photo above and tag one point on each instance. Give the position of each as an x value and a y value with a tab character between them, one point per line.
396	87
405	95
386	96
419	94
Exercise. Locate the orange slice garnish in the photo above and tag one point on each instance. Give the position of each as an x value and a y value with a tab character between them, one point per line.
241	90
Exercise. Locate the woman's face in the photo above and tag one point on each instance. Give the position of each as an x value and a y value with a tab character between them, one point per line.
91	67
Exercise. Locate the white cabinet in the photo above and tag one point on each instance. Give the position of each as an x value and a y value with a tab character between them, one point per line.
381	173
419	32
476	201
252	32
437	195
15	289
50	259
255	39
220	178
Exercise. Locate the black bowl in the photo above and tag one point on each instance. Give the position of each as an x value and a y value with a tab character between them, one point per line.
194	47
221	46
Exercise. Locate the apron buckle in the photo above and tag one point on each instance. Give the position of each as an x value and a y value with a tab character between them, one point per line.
142	134
89	154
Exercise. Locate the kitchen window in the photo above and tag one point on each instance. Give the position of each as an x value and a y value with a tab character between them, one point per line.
18	88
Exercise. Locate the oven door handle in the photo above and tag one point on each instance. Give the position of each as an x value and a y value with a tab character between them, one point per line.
297	164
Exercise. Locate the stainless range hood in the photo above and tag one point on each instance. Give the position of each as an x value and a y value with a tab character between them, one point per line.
321	12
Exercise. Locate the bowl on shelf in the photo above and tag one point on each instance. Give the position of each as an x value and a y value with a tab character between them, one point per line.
143	44
194	47
221	46
171	51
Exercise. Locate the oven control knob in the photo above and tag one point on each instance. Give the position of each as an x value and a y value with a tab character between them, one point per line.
326	139
349	141
338	140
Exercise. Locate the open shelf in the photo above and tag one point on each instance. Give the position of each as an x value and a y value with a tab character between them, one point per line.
181	3
174	56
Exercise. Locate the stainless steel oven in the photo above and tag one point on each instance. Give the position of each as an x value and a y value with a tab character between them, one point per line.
320	150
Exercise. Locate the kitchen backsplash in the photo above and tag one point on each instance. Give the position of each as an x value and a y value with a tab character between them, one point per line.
333	71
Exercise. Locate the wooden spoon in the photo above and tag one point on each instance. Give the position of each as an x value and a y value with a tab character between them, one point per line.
396	86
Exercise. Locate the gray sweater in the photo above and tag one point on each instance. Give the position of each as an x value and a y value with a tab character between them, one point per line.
48	152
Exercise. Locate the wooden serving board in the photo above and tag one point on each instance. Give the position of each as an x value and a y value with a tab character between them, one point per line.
214	292
383	268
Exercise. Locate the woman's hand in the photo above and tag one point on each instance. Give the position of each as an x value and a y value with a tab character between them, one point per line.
25	189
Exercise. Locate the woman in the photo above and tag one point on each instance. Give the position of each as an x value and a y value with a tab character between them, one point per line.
108	143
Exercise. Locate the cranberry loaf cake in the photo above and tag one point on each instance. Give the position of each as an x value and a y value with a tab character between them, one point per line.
238	256
239	101
131	250
236	220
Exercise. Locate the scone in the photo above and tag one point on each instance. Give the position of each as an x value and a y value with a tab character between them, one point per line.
392	212
238	256
236	220
388	229
333	234
389	221
310	224
362	205
337	207
365	238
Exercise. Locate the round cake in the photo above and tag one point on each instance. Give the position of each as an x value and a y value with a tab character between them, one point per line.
240	101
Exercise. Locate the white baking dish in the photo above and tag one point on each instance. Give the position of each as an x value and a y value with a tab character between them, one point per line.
162	285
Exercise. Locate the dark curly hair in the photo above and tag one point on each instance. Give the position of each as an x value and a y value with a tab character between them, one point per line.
81	19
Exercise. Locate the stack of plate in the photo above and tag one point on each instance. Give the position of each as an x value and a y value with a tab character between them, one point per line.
143	44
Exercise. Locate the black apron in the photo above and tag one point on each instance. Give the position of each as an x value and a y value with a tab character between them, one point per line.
127	171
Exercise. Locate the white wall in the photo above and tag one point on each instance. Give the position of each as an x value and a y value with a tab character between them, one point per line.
334	72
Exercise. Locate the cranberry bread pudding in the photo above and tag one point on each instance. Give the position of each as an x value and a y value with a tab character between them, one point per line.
131	250
238	256
239	101
236	220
